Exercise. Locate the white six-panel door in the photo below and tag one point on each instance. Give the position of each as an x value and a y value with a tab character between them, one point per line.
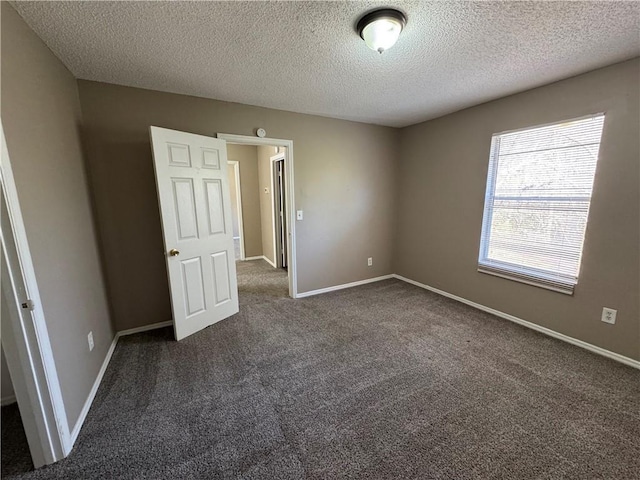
195	206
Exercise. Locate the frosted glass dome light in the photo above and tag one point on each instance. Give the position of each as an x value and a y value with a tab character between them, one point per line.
381	29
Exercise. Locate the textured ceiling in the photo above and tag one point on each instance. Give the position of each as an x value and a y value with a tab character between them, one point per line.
306	56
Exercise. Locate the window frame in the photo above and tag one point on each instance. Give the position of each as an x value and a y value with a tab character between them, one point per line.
511	271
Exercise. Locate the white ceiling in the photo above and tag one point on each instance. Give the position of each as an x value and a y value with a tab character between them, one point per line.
306	56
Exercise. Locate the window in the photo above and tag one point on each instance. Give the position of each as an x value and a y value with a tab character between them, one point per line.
537	202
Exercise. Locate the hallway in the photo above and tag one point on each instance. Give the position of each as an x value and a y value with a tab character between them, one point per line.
259	282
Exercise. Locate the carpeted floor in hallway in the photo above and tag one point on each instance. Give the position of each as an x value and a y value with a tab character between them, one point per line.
381	381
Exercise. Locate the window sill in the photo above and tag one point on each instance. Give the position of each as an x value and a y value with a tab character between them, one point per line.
554	286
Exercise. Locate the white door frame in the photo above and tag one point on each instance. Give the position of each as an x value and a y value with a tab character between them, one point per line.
25	336
235	164
292	269
274	223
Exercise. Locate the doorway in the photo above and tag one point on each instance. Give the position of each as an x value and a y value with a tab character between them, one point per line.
24	334
283	240
279	210
236	209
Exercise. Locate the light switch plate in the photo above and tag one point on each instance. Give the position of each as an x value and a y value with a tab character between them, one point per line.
299	215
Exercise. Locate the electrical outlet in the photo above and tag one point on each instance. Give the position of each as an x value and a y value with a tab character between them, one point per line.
609	315
370	261
90	340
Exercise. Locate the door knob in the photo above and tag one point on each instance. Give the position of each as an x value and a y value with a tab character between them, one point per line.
173	252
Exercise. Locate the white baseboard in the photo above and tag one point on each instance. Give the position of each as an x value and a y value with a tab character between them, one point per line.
269	262
547	331
8	400
92	394
343	286
103	369
260	257
144	328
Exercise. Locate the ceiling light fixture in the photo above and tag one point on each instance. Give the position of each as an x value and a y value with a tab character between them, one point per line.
380	29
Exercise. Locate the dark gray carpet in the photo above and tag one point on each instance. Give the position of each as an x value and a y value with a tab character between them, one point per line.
15	450
380	381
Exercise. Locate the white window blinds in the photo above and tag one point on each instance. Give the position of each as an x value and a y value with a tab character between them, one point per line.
537	202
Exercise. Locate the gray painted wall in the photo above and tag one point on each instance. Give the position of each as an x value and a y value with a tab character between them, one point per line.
443	173
247	157
41	119
344	181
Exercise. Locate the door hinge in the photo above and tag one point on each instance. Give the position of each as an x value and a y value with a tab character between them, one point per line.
28	305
